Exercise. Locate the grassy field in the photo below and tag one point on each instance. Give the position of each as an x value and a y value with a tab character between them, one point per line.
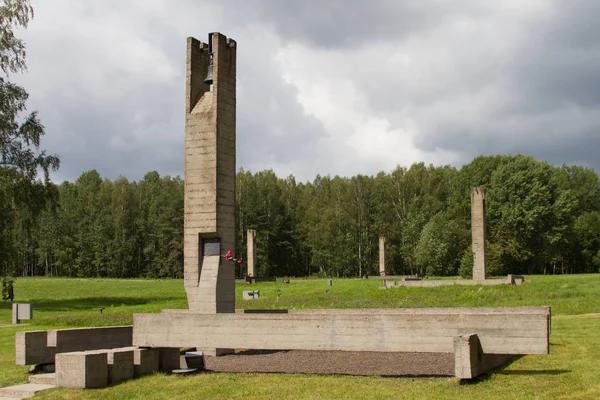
572	370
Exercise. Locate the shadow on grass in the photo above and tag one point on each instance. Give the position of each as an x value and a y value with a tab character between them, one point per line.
87	303
535	372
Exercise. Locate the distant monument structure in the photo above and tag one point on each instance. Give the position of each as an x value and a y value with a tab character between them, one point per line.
478	232
251	253
209	209
382	271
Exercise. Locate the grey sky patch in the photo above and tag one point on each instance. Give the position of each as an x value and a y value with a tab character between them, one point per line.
328	87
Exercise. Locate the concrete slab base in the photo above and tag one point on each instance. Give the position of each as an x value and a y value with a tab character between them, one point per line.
44	379
23	391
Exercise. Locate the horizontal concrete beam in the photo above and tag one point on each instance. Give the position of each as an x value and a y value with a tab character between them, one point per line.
40	347
518	330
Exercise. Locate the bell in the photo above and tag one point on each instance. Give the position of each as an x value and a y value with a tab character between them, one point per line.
209	76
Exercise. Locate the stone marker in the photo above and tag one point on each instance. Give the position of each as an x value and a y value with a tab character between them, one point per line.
250	294
382	256
478	232
21	311
251	246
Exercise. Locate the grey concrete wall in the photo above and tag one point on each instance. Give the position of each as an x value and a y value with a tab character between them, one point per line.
500	331
382	270
40	347
478	232
535	310
209	209
251	252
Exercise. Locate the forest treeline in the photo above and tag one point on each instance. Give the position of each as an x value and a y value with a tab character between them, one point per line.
540	219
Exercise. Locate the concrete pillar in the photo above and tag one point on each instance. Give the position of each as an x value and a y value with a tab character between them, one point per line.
251	239
209	208
478	232
382	256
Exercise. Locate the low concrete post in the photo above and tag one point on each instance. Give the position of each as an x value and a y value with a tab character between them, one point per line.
466	356
382	271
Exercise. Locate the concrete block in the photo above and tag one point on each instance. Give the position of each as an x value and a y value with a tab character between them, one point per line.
82	369
32	348
250	294
469	359
145	361
40	347
120	365
168	359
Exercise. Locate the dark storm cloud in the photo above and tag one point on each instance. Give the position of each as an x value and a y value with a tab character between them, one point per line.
439	80
341	23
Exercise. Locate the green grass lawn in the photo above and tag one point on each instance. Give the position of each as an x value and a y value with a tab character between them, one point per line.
572	370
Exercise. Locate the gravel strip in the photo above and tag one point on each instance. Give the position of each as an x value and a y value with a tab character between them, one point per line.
335	362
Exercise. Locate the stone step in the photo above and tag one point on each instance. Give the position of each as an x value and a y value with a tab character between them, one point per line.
23	391
45	379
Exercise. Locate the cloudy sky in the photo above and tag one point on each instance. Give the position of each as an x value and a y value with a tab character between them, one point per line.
324	87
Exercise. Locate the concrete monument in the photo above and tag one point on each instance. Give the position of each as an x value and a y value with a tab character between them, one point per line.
209	210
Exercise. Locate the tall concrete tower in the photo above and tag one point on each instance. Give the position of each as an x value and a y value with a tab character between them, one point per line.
478	232
209	217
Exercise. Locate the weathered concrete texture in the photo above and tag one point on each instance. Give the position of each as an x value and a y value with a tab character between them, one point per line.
469	359
21	311
169	358
210	175
40	347
251	251
478	232
120	365
382	256
23	391
82	369
501	331
145	361
43	379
